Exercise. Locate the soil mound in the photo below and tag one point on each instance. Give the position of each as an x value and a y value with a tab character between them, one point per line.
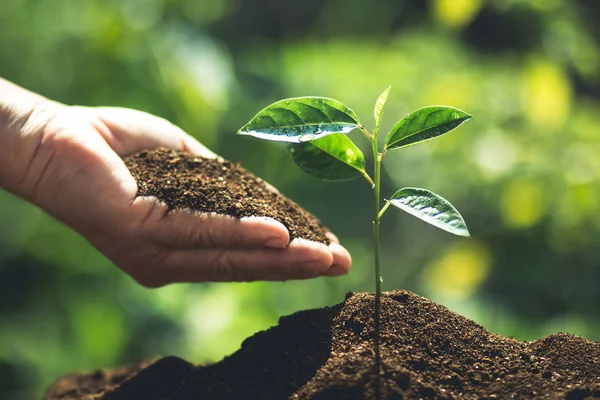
182	180
426	351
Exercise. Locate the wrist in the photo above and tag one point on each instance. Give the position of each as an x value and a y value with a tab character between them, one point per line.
23	118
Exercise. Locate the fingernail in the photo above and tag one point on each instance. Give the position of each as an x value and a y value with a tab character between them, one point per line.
277	243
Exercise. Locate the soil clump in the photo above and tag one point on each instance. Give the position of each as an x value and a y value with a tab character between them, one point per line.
184	181
426	352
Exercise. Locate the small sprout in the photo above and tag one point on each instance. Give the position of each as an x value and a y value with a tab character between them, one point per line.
315	129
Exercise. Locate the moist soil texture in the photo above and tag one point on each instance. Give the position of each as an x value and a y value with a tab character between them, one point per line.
184	181
425	351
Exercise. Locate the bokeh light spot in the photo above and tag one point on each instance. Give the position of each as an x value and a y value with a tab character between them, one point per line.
522	204
547	94
495	153
456	13
460	271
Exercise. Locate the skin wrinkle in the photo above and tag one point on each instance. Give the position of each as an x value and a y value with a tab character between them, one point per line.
106	133
154	204
57	145
44	170
221	265
19	124
35	155
184	145
39	121
205	237
237	239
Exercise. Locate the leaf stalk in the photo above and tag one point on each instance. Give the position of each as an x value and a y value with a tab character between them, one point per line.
383	209
368	178
366	132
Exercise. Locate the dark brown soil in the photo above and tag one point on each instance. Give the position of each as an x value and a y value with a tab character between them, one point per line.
426	351
182	180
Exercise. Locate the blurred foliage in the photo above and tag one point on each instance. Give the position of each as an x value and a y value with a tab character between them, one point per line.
525	173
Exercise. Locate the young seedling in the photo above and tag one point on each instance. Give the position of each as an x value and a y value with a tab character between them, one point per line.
315	129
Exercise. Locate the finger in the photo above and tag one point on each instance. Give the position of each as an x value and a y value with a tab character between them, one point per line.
132	131
342	261
186	229
191	145
301	260
270	187
332	237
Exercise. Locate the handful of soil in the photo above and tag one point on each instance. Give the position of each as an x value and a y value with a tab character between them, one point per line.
181	180
426	352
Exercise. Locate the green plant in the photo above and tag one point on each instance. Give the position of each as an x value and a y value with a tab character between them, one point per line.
316	128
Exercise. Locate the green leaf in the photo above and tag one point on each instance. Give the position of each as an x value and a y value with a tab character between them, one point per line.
301	119
431	208
425	124
332	158
379	106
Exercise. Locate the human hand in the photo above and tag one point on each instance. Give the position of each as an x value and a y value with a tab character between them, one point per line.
74	171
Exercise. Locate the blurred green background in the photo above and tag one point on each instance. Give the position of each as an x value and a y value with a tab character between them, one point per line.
525	173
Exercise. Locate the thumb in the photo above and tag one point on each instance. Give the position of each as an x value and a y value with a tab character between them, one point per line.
131	131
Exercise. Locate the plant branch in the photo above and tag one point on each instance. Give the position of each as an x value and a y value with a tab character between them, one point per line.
366	132
383	210
383	153
368	178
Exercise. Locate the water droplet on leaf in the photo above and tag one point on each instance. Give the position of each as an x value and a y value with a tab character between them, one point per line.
306	138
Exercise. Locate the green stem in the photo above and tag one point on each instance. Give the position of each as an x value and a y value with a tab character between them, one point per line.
368	178
377	157
366	132
376	190
383	210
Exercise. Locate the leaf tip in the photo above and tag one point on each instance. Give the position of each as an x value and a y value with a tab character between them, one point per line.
465	115
464	232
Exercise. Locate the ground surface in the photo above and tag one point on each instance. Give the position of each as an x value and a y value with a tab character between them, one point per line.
426	350
215	185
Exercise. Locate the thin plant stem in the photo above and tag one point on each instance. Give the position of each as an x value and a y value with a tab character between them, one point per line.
376	190
366	132
383	210
368	178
